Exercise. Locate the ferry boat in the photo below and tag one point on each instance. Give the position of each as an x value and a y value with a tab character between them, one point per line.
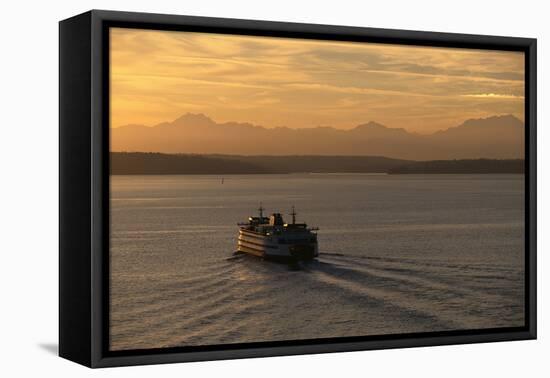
272	238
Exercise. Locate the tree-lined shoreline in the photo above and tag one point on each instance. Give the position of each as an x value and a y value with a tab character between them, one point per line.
151	163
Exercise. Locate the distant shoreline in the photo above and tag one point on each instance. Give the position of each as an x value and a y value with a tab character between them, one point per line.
145	163
312	173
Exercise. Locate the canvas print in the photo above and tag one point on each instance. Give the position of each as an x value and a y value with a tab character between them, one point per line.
275	189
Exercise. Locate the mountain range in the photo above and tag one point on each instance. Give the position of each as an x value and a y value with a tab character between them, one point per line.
497	137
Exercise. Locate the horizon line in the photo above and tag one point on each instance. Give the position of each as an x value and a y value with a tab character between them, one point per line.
305	155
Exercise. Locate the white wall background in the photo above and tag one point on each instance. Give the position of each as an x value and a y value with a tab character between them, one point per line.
28	214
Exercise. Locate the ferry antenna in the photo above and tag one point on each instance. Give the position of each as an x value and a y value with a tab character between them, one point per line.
261	210
293	215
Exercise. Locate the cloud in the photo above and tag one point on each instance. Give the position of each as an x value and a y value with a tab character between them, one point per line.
158	75
495	96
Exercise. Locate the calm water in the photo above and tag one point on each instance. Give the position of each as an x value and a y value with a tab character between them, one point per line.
401	253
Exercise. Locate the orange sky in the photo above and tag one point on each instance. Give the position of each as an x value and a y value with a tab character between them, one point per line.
157	76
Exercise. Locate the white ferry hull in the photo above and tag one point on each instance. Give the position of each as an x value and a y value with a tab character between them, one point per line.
269	247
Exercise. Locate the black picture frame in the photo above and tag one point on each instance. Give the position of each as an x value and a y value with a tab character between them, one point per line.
84	187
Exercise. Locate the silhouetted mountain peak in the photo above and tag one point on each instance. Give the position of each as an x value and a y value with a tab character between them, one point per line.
371	125
494	125
377	130
194	119
499	120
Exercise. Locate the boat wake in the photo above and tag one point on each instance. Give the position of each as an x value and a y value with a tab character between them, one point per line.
243	298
